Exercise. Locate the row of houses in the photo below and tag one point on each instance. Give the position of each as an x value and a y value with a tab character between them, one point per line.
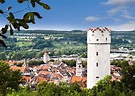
57	72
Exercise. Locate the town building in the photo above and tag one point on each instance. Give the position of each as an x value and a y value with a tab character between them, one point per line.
46	57
78	67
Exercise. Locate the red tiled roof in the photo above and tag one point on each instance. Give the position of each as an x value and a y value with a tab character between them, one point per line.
100	29
58	75
45	67
77	78
27	78
39	79
82	81
22	69
44	72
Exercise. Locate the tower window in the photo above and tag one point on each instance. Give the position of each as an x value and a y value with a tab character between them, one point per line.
97	53
106	38
97	77
97	39
97	64
92	34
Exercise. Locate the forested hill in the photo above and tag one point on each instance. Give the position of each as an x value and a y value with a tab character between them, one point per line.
126	38
47	31
118	37
60	42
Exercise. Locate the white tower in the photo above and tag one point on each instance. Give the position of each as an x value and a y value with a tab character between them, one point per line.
46	57
98	55
78	67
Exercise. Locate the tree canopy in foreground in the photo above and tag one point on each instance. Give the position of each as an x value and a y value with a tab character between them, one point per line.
9	79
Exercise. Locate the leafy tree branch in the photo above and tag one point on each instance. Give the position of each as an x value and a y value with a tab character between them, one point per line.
15	23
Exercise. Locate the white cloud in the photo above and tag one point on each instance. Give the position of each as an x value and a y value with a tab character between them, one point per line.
124	27
127	15
91	18
121	8
119	2
116	19
115	10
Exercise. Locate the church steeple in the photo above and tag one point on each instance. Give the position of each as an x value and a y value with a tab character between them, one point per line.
78	67
25	64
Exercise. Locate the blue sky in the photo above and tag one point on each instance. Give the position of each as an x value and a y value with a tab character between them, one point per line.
80	14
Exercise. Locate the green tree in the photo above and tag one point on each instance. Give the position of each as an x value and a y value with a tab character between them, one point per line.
39	54
17	56
47	89
23	92
124	63
29	54
3	56
8	78
103	82
70	63
128	78
84	63
35	62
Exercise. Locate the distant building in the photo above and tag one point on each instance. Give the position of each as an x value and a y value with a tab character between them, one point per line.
46	57
78	67
98	61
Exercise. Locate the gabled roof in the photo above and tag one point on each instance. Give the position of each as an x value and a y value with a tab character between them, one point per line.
82	81
77	78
